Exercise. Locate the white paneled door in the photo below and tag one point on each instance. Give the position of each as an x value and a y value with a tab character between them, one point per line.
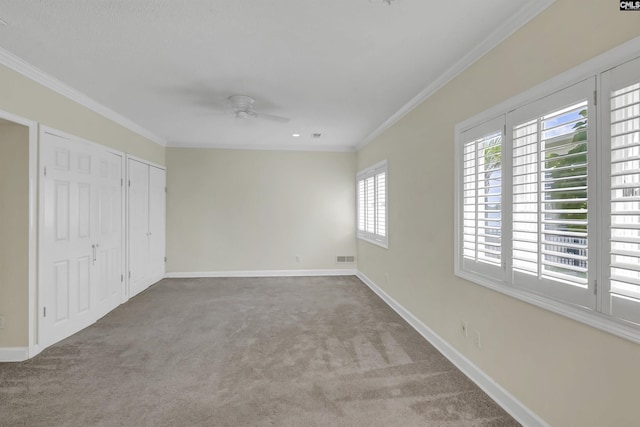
139	268
157	220
146	225
81	235
110	229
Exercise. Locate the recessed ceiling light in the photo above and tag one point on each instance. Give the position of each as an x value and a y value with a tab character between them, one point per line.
317	135
295	135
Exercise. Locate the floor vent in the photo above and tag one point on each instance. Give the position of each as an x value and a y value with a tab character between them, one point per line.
345	259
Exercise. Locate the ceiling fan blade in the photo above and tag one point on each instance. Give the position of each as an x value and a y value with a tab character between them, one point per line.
272	117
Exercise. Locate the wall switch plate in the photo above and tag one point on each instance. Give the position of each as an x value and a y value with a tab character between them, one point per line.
1	322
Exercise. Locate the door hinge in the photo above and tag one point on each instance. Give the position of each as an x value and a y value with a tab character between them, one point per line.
45	171
165	189
44	311
129	274
165	259
129	183
121	182
122	277
595	97
595	287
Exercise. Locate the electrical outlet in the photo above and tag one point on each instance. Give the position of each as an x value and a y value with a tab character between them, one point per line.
476	339
1	322
463	328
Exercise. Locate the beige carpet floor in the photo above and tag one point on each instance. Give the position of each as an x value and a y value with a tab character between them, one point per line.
312	351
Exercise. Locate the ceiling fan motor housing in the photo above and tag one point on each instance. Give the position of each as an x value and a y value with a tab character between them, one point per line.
243	108
242	102
242	105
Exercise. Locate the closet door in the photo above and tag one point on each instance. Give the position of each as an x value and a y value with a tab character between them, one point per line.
81	235
110	230
68	197
139	259
157	198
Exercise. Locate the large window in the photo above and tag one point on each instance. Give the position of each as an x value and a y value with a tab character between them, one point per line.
548	199
372	204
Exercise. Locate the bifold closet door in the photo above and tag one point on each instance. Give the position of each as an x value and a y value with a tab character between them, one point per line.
157	219
81	239
146	225
139	259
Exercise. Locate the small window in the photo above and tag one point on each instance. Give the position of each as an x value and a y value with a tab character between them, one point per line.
372	204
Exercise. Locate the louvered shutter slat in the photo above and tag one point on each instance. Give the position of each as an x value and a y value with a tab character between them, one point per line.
482	201
550	195
372	204
381	204
625	191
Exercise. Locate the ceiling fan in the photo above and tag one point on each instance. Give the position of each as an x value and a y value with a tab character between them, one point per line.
242	107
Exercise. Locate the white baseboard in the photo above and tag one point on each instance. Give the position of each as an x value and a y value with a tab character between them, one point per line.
507	401
35	350
261	273
14	354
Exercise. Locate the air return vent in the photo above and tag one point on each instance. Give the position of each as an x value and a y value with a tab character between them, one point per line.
345	259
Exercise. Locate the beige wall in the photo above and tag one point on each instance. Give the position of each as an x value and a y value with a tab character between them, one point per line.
237	210
24	97
566	372
14	233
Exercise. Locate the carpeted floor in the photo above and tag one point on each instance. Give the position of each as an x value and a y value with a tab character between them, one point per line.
313	351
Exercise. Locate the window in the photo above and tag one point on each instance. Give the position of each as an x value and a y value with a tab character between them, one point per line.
549	148
482	198
548	199
622	178
372	204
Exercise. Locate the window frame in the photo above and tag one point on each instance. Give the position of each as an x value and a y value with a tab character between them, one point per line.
555	289
373	171
594	68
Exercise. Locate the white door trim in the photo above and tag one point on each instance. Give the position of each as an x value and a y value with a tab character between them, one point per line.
146	162
34	339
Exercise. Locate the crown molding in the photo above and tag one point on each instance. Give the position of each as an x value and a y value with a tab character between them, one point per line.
335	148
510	26
17	64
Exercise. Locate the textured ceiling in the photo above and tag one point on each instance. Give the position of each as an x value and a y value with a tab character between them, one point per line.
337	67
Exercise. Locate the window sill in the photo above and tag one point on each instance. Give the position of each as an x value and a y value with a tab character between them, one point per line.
384	244
590	318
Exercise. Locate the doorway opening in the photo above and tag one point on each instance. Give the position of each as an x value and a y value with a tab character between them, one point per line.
18	185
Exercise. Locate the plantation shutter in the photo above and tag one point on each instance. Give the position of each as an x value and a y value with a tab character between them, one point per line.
621	90
482	225
552	177
361	205
381	204
372	203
